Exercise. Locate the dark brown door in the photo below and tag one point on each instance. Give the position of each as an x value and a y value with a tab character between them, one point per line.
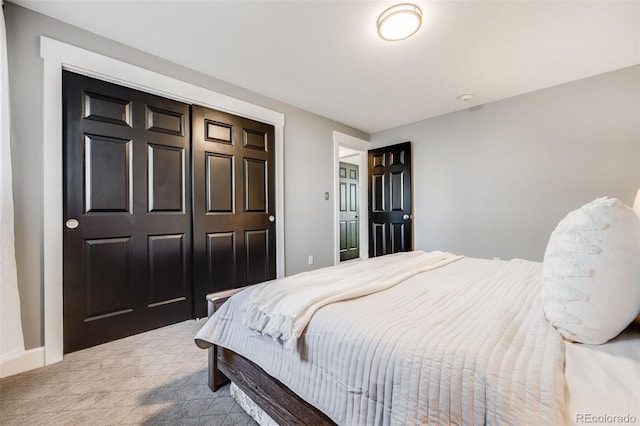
127	210
234	203
349	222
390	229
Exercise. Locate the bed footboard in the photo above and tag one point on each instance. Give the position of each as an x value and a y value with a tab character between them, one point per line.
216	378
214	300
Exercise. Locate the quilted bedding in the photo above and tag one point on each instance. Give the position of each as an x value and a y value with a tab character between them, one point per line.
466	343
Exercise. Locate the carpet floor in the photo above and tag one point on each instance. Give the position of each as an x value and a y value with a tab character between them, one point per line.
154	378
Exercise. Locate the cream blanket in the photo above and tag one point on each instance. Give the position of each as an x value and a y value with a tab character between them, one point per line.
283	308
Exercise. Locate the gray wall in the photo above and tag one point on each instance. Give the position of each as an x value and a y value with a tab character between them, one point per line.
308	152
494	180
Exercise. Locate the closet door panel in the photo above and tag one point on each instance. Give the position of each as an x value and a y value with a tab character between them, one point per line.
234	203
127	209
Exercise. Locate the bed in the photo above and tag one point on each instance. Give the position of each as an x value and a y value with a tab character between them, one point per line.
465	342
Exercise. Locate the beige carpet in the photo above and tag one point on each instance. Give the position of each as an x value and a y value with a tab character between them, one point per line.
154	378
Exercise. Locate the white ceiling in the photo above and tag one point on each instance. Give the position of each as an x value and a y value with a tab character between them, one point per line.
325	56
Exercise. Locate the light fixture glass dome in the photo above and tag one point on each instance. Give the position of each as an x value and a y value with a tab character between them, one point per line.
399	22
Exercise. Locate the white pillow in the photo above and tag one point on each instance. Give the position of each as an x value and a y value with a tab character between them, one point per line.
591	272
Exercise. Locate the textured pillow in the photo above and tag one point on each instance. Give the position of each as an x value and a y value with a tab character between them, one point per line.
591	272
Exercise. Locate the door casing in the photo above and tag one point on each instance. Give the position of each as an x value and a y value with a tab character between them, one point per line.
362	146
58	56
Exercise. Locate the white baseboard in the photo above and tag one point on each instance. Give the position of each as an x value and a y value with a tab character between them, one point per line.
29	360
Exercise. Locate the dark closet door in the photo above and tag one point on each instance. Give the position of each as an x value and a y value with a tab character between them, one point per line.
390	229
127	208
349	222
234	237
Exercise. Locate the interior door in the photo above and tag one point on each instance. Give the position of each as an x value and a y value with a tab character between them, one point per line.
349	221
390	218
234	236
127	207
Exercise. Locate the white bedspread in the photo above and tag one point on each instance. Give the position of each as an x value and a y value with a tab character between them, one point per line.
463	344
603	381
282	308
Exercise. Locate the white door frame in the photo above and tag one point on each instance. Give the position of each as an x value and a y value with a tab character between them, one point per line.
58	56
347	141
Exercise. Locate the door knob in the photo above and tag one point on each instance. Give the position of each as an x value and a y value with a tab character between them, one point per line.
406	216
72	223
272	218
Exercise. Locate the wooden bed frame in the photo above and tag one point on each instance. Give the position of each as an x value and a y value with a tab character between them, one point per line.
277	400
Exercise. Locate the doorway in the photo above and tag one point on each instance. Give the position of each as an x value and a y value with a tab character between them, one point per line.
353	152
129	182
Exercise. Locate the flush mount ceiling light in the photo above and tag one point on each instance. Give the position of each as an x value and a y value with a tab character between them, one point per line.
399	22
